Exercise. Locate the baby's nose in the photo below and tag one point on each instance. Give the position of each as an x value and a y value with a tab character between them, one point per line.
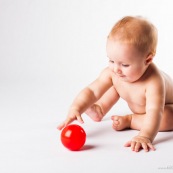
117	70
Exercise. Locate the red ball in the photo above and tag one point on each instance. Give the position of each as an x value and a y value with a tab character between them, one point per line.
73	137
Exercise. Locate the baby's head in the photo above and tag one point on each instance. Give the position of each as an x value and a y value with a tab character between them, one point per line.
136	31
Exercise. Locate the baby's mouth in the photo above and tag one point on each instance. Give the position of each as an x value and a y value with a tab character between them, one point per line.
120	75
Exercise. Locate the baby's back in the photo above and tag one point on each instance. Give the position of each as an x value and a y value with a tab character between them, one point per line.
168	87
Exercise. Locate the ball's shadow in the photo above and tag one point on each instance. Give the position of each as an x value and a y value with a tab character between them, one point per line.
88	147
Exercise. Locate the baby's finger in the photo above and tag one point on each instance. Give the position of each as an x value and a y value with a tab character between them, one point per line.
133	143
127	144
65	123
61	126
137	146
145	147
151	146
79	118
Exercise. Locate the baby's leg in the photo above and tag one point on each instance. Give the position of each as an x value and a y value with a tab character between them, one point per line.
167	119
135	121
98	110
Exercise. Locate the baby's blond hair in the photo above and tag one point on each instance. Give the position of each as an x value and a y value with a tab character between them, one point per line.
137	31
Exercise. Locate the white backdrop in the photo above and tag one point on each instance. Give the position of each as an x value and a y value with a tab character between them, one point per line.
51	49
62	42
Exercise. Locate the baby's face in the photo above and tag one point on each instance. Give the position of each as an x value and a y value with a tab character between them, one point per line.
125	60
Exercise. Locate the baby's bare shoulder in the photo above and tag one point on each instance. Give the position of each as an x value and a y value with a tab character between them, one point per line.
106	73
154	75
160	82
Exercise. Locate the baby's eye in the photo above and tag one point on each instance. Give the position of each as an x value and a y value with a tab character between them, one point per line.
125	65
111	61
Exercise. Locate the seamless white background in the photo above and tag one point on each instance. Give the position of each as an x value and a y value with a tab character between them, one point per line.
50	50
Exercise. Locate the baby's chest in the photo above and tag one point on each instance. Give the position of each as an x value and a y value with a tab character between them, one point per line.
132	94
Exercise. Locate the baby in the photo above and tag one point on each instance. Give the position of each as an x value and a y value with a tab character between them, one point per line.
132	76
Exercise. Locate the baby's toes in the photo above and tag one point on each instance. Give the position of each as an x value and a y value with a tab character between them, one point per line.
116	122
115	125
115	118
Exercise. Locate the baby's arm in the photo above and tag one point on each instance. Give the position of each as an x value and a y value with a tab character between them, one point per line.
108	100
87	97
99	109
155	101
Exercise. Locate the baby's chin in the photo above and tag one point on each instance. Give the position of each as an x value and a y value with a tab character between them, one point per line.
126	79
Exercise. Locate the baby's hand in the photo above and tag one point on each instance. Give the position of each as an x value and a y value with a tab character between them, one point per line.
72	115
140	142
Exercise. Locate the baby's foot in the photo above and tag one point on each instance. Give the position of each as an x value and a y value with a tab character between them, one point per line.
95	112
121	122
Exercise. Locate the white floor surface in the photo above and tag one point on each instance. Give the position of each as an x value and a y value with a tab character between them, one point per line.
30	142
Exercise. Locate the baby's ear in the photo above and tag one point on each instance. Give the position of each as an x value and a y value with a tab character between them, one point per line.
149	59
